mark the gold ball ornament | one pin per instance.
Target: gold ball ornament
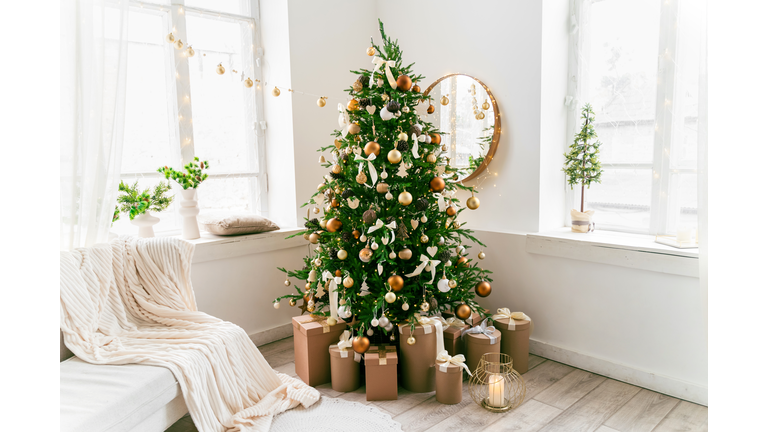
(436, 138)
(356, 234)
(220, 69)
(462, 262)
(170, 38)
(411, 340)
(424, 238)
(371, 51)
(402, 136)
(480, 115)
(310, 308)
(473, 202)
(430, 109)
(353, 105)
(444, 101)
(483, 289)
(248, 83)
(431, 158)
(486, 105)
(382, 187)
(314, 238)
(179, 44)
(404, 82)
(292, 302)
(360, 344)
(405, 254)
(307, 286)
(189, 52)
(390, 297)
(396, 282)
(452, 283)
(321, 102)
(405, 198)
(275, 92)
(333, 225)
(481, 255)
(287, 283)
(394, 156)
(424, 306)
(462, 311)
(372, 147)
(365, 254)
(331, 321)
(405, 306)
(437, 184)
(451, 211)
(342, 254)
(336, 169)
(354, 128)
(361, 177)
(416, 89)
(306, 236)
(348, 282)
(357, 86)
(456, 225)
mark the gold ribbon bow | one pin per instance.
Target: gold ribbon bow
(371, 169)
(457, 360)
(512, 316)
(378, 62)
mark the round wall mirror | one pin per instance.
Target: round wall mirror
(467, 114)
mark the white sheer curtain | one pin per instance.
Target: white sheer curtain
(703, 173)
(93, 77)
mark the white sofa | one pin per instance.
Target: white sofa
(116, 398)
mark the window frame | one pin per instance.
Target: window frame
(181, 118)
(665, 127)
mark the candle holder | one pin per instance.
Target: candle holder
(494, 385)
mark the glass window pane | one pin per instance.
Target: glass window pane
(234, 194)
(223, 109)
(237, 7)
(683, 203)
(622, 201)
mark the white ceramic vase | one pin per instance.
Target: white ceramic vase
(189, 211)
(145, 221)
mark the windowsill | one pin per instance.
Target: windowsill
(622, 249)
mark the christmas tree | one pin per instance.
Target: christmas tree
(582, 165)
(390, 243)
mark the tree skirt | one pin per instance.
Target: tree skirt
(335, 415)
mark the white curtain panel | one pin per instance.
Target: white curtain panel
(703, 173)
(93, 77)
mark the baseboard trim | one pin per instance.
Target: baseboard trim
(620, 372)
(270, 335)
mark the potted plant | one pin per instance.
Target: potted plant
(582, 167)
(189, 181)
(138, 205)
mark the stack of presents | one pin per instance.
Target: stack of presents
(434, 355)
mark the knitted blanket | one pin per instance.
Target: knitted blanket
(132, 302)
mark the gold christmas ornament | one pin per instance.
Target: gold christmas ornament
(430, 109)
(220, 69)
(424, 306)
(361, 177)
(336, 169)
(462, 311)
(360, 344)
(480, 115)
(382, 187)
(371, 51)
(372, 147)
(402, 136)
(353, 105)
(307, 286)
(287, 283)
(483, 289)
(179, 44)
(396, 282)
(314, 238)
(342, 254)
(437, 184)
(452, 283)
(275, 92)
(405, 198)
(354, 128)
(444, 101)
(365, 254)
(321, 102)
(189, 52)
(394, 156)
(405, 254)
(357, 86)
(306, 236)
(405, 306)
(481, 255)
(431, 158)
(473, 202)
(315, 210)
(392, 337)
(390, 297)
(486, 105)
(248, 83)
(462, 262)
(451, 211)
(310, 308)
(333, 225)
(411, 340)
(416, 89)
(331, 321)
(404, 82)
(424, 238)
(456, 225)
(356, 234)
(348, 282)
(436, 138)
(292, 302)
(170, 38)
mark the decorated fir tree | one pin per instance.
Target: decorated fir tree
(582, 166)
(390, 241)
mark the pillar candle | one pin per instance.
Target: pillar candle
(496, 390)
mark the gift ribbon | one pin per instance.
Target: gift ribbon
(483, 328)
(457, 360)
(415, 148)
(440, 201)
(379, 224)
(343, 120)
(371, 157)
(318, 319)
(333, 295)
(511, 316)
(450, 322)
(382, 352)
(345, 342)
(378, 62)
(424, 261)
(426, 322)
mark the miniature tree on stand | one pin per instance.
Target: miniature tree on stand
(390, 244)
(583, 167)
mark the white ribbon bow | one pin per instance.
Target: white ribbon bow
(371, 169)
(458, 360)
(454, 322)
(415, 148)
(424, 261)
(440, 201)
(333, 295)
(483, 328)
(378, 62)
(345, 341)
(511, 316)
(426, 322)
(343, 120)
(379, 224)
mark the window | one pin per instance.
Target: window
(179, 107)
(637, 63)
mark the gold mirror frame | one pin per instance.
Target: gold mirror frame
(496, 126)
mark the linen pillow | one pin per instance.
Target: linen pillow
(235, 223)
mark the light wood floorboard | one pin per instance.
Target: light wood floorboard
(558, 398)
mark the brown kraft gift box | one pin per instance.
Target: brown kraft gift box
(381, 373)
(473, 320)
(514, 341)
(452, 339)
(448, 382)
(311, 337)
(345, 369)
(417, 361)
(477, 344)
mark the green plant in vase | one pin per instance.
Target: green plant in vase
(582, 167)
(189, 180)
(139, 203)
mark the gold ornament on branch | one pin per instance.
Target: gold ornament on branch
(405, 254)
(248, 83)
(481, 255)
(444, 101)
(170, 38)
(321, 102)
(405, 198)
(220, 69)
(189, 52)
(396, 282)
(275, 92)
(372, 147)
(360, 344)
(390, 297)
(357, 86)
(352, 105)
(179, 44)
(292, 302)
(430, 109)
(394, 156)
(354, 128)
(486, 105)
(462, 311)
(431, 158)
(483, 289)
(404, 83)
(473, 202)
(371, 51)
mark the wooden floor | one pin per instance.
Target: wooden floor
(558, 398)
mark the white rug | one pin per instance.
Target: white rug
(335, 415)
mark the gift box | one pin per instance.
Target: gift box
(345, 369)
(477, 344)
(473, 320)
(381, 373)
(452, 337)
(514, 341)
(311, 337)
(448, 382)
(417, 361)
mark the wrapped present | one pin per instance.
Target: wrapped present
(479, 340)
(452, 328)
(449, 378)
(381, 373)
(311, 337)
(345, 365)
(417, 360)
(473, 320)
(515, 330)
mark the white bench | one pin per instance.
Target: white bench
(116, 398)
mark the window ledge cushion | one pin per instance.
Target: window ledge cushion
(615, 248)
(210, 247)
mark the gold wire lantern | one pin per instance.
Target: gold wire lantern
(494, 385)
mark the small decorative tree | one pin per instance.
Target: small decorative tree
(191, 178)
(582, 165)
(135, 202)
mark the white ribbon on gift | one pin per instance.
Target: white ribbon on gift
(457, 360)
(450, 322)
(440, 201)
(415, 148)
(424, 261)
(333, 295)
(345, 342)
(371, 169)
(427, 323)
(377, 63)
(511, 316)
(483, 328)
(379, 224)
(343, 120)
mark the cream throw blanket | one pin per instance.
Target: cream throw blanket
(132, 302)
